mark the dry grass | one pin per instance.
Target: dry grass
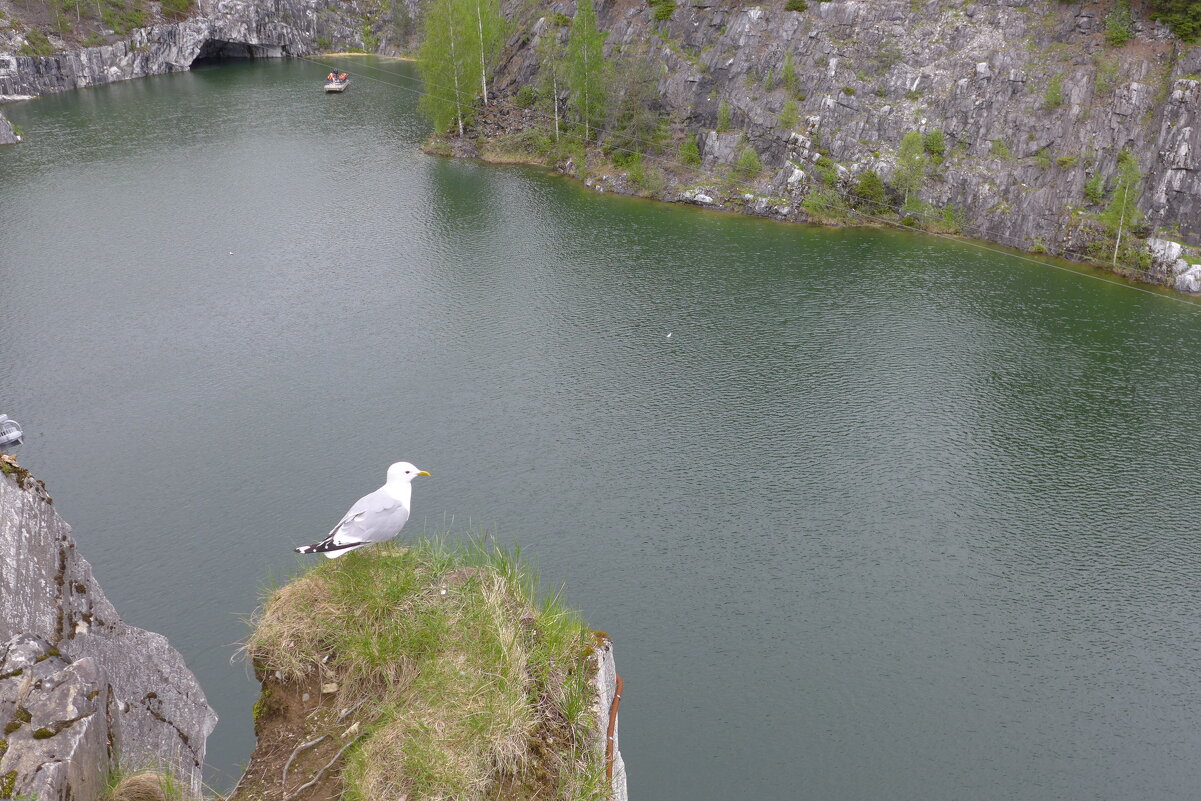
(478, 689)
(284, 629)
(145, 786)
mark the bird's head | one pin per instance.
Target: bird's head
(404, 471)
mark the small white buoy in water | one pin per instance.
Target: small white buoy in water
(669, 335)
(231, 253)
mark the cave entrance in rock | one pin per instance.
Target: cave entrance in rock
(216, 50)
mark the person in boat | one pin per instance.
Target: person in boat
(329, 77)
(341, 76)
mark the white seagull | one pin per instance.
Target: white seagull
(373, 518)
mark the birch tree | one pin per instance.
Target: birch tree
(460, 42)
(586, 68)
(490, 26)
(445, 56)
(551, 71)
(1123, 212)
(911, 165)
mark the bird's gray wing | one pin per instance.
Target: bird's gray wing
(373, 518)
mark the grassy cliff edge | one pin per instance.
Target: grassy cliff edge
(423, 672)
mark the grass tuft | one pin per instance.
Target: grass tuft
(142, 786)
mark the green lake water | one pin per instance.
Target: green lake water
(886, 517)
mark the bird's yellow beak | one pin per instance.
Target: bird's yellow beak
(422, 473)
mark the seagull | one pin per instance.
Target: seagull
(373, 518)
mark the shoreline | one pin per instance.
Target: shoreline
(351, 53)
(607, 177)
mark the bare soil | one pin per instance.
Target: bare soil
(290, 715)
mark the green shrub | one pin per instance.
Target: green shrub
(935, 144)
(370, 40)
(1067, 162)
(828, 170)
(824, 204)
(748, 164)
(527, 142)
(36, 44)
(916, 206)
(796, 5)
(632, 162)
(952, 219)
(870, 190)
(662, 9)
(788, 114)
(1053, 97)
(560, 19)
(723, 116)
(123, 18)
(1182, 16)
(848, 90)
(651, 181)
(690, 154)
(1094, 189)
(323, 44)
(1118, 24)
(1043, 158)
(525, 97)
(788, 74)
(999, 149)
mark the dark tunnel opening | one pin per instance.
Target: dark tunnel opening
(217, 50)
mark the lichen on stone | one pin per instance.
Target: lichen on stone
(7, 783)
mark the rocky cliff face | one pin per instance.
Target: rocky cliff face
(1031, 102)
(79, 688)
(7, 135)
(218, 29)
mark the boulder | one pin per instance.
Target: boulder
(1189, 280)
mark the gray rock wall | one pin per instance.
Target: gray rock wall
(68, 657)
(7, 135)
(247, 28)
(606, 688)
(1031, 100)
